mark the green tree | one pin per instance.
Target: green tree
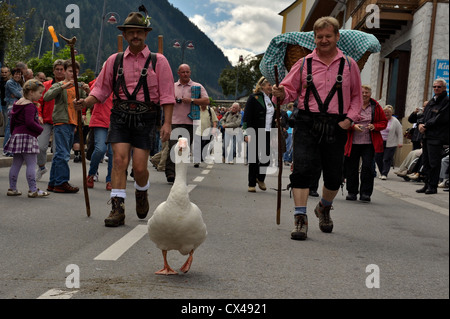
(7, 25)
(45, 63)
(248, 72)
(12, 35)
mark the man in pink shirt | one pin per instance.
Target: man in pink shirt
(182, 118)
(135, 116)
(328, 87)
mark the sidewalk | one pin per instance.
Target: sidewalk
(406, 191)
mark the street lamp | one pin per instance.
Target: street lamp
(241, 60)
(111, 18)
(186, 44)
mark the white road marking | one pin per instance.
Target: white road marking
(206, 172)
(199, 179)
(58, 294)
(191, 187)
(122, 245)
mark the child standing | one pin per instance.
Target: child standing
(25, 129)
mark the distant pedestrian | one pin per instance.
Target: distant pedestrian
(206, 131)
(65, 119)
(416, 136)
(364, 141)
(434, 127)
(40, 76)
(188, 94)
(392, 139)
(25, 129)
(13, 92)
(99, 125)
(5, 76)
(46, 118)
(259, 119)
(230, 124)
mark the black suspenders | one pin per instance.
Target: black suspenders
(120, 81)
(337, 88)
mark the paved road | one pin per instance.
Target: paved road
(401, 237)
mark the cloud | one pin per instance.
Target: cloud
(245, 27)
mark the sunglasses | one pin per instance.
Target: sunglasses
(436, 87)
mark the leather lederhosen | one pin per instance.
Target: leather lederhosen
(132, 112)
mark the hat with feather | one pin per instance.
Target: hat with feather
(137, 20)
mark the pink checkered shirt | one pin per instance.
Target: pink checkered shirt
(160, 84)
(324, 79)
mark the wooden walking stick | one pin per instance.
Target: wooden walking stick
(71, 43)
(280, 154)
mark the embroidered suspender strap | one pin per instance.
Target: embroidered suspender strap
(311, 88)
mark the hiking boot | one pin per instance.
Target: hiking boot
(301, 227)
(351, 197)
(325, 221)
(142, 205)
(117, 216)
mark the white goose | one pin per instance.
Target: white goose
(177, 224)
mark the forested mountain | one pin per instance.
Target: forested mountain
(207, 61)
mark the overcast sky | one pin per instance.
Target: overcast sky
(238, 27)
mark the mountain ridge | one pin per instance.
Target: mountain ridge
(207, 61)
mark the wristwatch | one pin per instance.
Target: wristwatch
(192, 100)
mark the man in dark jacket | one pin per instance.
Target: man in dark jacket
(434, 126)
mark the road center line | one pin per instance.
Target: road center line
(191, 187)
(199, 179)
(122, 245)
